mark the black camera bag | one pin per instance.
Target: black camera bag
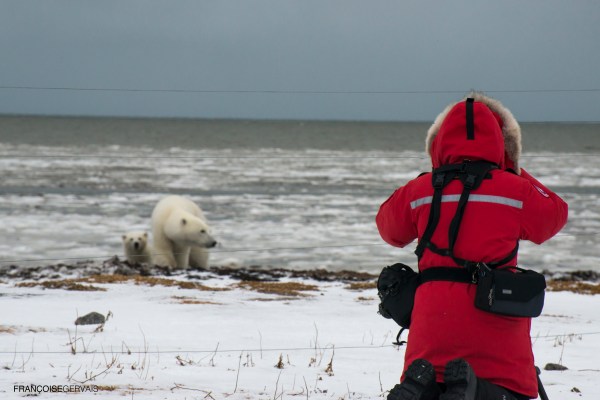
(396, 286)
(514, 293)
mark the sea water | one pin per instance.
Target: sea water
(284, 194)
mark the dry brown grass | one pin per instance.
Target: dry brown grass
(191, 300)
(365, 299)
(288, 289)
(361, 286)
(82, 284)
(280, 298)
(558, 316)
(106, 388)
(116, 278)
(11, 329)
(7, 329)
(151, 281)
(66, 284)
(573, 286)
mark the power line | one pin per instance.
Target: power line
(278, 349)
(241, 250)
(209, 351)
(283, 91)
(200, 157)
(304, 247)
(209, 157)
(576, 234)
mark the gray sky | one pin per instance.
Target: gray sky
(299, 46)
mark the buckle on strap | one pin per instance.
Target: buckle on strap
(438, 180)
(477, 269)
(469, 181)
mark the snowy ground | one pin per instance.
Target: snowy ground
(164, 342)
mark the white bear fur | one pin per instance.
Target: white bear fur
(136, 247)
(180, 233)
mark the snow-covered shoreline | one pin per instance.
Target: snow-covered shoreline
(223, 338)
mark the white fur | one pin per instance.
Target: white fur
(181, 234)
(511, 129)
(136, 247)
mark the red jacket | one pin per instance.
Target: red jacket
(445, 324)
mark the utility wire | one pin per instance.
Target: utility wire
(283, 91)
(112, 156)
(240, 250)
(279, 349)
(208, 351)
(333, 157)
(6, 261)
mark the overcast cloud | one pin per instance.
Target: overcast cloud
(307, 45)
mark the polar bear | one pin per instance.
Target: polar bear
(136, 247)
(180, 233)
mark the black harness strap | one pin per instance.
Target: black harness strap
(441, 177)
(434, 215)
(470, 122)
(451, 274)
(460, 211)
(471, 175)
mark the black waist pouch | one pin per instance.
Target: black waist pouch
(396, 286)
(517, 293)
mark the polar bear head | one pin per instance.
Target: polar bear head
(187, 229)
(135, 242)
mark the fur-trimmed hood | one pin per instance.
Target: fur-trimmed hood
(452, 119)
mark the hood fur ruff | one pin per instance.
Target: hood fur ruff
(510, 127)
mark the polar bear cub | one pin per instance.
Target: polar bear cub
(180, 233)
(136, 247)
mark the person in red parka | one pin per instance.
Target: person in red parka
(472, 354)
